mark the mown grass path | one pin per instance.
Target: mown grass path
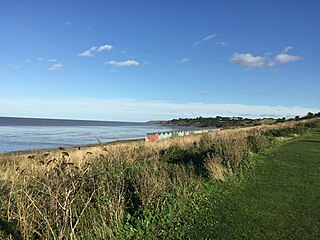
(280, 200)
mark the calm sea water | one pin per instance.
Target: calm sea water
(28, 134)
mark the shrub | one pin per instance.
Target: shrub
(258, 142)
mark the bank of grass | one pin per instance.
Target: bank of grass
(279, 200)
(129, 190)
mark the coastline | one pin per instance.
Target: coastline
(88, 146)
(56, 149)
(33, 134)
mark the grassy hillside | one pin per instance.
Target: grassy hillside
(128, 190)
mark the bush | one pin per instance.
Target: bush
(258, 142)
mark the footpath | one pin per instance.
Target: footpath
(280, 200)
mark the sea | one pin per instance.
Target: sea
(19, 134)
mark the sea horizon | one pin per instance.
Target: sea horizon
(27, 121)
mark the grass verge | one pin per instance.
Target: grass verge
(280, 200)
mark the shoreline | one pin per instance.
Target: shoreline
(86, 146)
(91, 145)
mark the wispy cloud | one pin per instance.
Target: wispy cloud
(205, 39)
(52, 60)
(182, 61)
(221, 43)
(89, 52)
(47, 60)
(116, 109)
(286, 49)
(127, 63)
(209, 37)
(13, 66)
(28, 61)
(55, 67)
(249, 61)
(207, 94)
(67, 24)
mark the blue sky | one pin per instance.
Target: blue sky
(142, 60)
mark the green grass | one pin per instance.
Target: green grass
(280, 200)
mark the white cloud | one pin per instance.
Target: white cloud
(55, 67)
(13, 66)
(205, 39)
(285, 58)
(126, 63)
(104, 48)
(286, 49)
(209, 37)
(248, 61)
(47, 60)
(89, 53)
(52, 60)
(221, 43)
(182, 61)
(67, 24)
(116, 109)
(28, 61)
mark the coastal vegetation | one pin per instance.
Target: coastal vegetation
(230, 122)
(135, 190)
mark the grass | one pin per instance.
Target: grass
(279, 201)
(154, 190)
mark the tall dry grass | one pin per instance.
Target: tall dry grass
(87, 193)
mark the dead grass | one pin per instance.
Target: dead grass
(215, 168)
